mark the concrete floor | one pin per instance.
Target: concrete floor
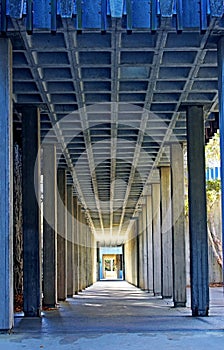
(115, 315)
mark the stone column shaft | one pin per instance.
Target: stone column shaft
(178, 226)
(197, 212)
(70, 240)
(156, 230)
(166, 233)
(32, 272)
(62, 235)
(75, 270)
(49, 226)
(145, 248)
(6, 187)
(150, 244)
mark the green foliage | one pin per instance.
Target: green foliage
(213, 191)
(212, 151)
(213, 186)
(212, 156)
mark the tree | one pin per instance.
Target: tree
(213, 192)
(212, 151)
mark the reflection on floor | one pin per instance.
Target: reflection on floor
(114, 314)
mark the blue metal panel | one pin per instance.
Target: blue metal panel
(79, 14)
(216, 7)
(42, 14)
(3, 20)
(91, 17)
(116, 8)
(141, 14)
(166, 7)
(29, 16)
(53, 16)
(191, 14)
(66, 8)
(94, 14)
(108, 8)
(16, 8)
(179, 14)
(154, 14)
(103, 15)
(203, 15)
(128, 11)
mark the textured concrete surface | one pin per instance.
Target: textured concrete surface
(115, 315)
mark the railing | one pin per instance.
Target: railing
(213, 173)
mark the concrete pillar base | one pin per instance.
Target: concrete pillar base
(200, 313)
(179, 304)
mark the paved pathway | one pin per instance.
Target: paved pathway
(115, 315)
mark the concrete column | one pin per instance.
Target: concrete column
(89, 255)
(70, 240)
(156, 232)
(75, 269)
(6, 187)
(197, 212)
(145, 248)
(98, 261)
(62, 235)
(140, 251)
(136, 252)
(93, 259)
(49, 226)
(221, 126)
(31, 212)
(178, 226)
(80, 246)
(166, 232)
(83, 252)
(92, 262)
(149, 244)
(83, 256)
(123, 260)
(86, 254)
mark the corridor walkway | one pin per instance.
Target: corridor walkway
(115, 315)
